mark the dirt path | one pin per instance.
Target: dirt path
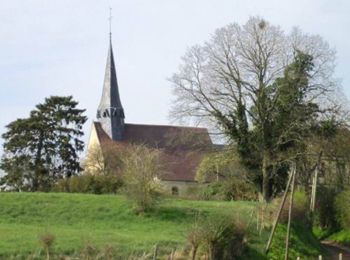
(334, 250)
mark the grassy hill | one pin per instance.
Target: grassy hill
(78, 220)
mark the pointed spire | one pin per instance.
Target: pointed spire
(110, 112)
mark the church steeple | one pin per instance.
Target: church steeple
(110, 112)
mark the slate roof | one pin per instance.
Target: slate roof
(182, 148)
(110, 112)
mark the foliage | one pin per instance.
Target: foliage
(44, 147)
(302, 243)
(141, 170)
(227, 177)
(232, 188)
(219, 165)
(87, 183)
(325, 208)
(333, 139)
(342, 208)
(341, 237)
(262, 88)
(217, 235)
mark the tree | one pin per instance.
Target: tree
(333, 140)
(227, 178)
(104, 160)
(142, 169)
(44, 147)
(242, 81)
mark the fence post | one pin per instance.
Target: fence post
(155, 252)
(340, 256)
(290, 212)
(320, 257)
(291, 173)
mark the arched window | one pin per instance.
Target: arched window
(175, 191)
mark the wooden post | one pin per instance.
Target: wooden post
(155, 252)
(291, 173)
(340, 256)
(172, 254)
(320, 257)
(314, 189)
(290, 214)
(257, 219)
(314, 184)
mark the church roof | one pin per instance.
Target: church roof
(182, 148)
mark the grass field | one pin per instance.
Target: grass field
(100, 220)
(341, 237)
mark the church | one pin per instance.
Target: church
(181, 148)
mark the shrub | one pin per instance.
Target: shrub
(342, 208)
(87, 183)
(230, 189)
(47, 240)
(325, 208)
(228, 178)
(141, 169)
(219, 236)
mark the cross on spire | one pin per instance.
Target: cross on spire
(110, 22)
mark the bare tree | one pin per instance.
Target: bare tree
(228, 81)
(142, 169)
(103, 160)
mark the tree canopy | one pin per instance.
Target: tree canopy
(262, 88)
(45, 146)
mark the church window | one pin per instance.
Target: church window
(175, 191)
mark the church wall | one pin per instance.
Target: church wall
(93, 140)
(182, 187)
(93, 158)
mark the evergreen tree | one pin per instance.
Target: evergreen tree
(44, 147)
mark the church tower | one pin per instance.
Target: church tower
(110, 112)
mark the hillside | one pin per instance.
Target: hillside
(78, 220)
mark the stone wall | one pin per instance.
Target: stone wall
(180, 188)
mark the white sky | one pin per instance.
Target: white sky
(59, 47)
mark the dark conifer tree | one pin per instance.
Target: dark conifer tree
(44, 147)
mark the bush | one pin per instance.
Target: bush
(325, 208)
(228, 178)
(231, 189)
(141, 167)
(218, 236)
(342, 209)
(47, 240)
(96, 184)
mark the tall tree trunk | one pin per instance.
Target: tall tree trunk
(266, 177)
(37, 163)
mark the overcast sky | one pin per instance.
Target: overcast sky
(59, 47)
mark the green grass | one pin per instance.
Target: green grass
(80, 219)
(77, 219)
(302, 243)
(341, 237)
